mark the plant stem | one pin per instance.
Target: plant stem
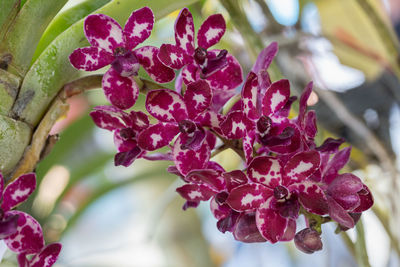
(361, 249)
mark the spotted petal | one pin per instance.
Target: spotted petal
(265, 170)
(248, 142)
(140, 121)
(265, 58)
(276, 97)
(235, 125)
(197, 97)
(110, 118)
(227, 78)
(302, 165)
(147, 56)
(195, 192)
(18, 191)
(29, 236)
(191, 73)
(166, 105)
(157, 136)
(248, 197)
(47, 257)
(138, 27)
(211, 31)
(184, 31)
(249, 96)
(209, 177)
(311, 197)
(173, 56)
(122, 92)
(271, 225)
(104, 32)
(90, 58)
(188, 159)
(234, 178)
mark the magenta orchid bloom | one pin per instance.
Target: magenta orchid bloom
(277, 191)
(112, 45)
(46, 257)
(220, 69)
(20, 231)
(126, 128)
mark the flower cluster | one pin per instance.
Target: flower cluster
(20, 231)
(286, 174)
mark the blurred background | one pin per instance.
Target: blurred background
(115, 216)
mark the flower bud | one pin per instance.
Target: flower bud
(308, 240)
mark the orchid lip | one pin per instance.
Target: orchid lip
(264, 125)
(125, 62)
(200, 55)
(127, 133)
(280, 192)
(212, 65)
(187, 126)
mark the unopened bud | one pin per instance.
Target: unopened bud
(308, 241)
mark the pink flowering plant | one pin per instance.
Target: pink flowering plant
(285, 174)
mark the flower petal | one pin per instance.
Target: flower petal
(124, 139)
(173, 56)
(138, 27)
(219, 211)
(195, 192)
(366, 200)
(147, 56)
(166, 105)
(140, 121)
(265, 170)
(234, 178)
(126, 158)
(290, 231)
(330, 145)
(29, 236)
(110, 118)
(90, 58)
(122, 92)
(209, 177)
(211, 31)
(340, 215)
(249, 96)
(1, 184)
(337, 162)
(210, 119)
(276, 97)
(18, 191)
(248, 142)
(104, 32)
(246, 229)
(265, 58)
(235, 125)
(248, 197)
(190, 73)
(271, 225)
(8, 226)
(47, 257)
(157, 136)
(228, 78)
(311, 197)
(197, 97)
(188, 159)
(302, 165)
(184, 31)
(303, 103)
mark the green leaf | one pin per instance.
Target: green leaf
(9, 9)
(14, 137)
(24, 34)
(64, 20)
(52, 69)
